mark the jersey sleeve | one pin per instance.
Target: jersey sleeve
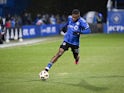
(84, 26)
(64, 27)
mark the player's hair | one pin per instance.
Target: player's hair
(75, 11)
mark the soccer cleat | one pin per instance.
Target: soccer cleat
(76, 62)
(46, 69)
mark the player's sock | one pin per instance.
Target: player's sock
(47, 68)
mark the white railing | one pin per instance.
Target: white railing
(13, 34)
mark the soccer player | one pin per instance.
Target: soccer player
(73, 28)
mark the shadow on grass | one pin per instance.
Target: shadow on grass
(86, 85)
(110, 76)
(89, 86)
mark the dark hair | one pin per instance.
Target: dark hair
(75, 11)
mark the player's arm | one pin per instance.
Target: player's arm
(88, 30)
(64, 27)
(84, 27)
(82, 31)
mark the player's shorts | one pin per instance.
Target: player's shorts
(66, 46)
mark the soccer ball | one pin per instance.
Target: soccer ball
(44, 75)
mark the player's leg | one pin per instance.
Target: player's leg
(76, 56)
(75, 50)
(54, 59)
(59, 53)
(62, 49)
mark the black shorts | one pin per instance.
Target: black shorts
(66, 46)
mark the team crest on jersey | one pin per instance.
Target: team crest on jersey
(77, 23)
(75, 27)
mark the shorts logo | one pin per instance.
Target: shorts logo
(64, 43)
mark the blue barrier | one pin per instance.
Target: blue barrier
(33, 31)
(30, 31)
(115, 21)
(48, 30)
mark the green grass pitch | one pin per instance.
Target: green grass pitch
(101, 67)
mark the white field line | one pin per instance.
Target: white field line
(25, 42)
(32, 41)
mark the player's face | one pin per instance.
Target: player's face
(75, 17)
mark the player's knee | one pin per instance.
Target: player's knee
(59, 54)
(76, 55)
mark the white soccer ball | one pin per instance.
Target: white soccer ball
(44, 75)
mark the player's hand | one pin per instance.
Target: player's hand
(76, 33)
(62, 33)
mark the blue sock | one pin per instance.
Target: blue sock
(49, 66)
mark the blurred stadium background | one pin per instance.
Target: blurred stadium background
(21, 19)
(23, 22)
